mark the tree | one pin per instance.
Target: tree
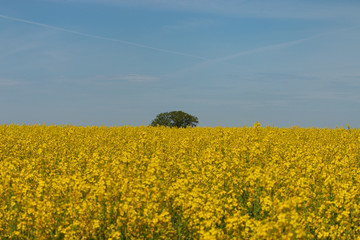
(175, 119)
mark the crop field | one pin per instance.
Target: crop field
(69, 182)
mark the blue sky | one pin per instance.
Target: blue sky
(230, 63)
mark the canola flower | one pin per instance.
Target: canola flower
(68, 182)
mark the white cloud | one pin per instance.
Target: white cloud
(8, 82)
(135, 78)
(255, 8)
(12, 43)
(216, 61)
(329, 95)
(112, 79)
(192, 24)
(273, 47)
(21, 20)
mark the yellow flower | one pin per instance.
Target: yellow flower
(165, 183)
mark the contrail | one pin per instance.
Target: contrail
(282, 45)
(210, 62)
(100, 37)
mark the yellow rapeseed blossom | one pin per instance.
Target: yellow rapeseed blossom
(68, 182)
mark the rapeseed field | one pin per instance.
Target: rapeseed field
(68, 182)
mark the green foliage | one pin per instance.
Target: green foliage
(175, 119)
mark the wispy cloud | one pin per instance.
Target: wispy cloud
(8, 82)
(12, 44)
(21, 20)
(278, 46)
(329, 95)
(212, 62)
(135, 78)
(192, 24)
(114, 79)
(297, 9)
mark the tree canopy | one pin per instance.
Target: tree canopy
(175, 119)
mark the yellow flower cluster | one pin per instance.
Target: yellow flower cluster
(68, 182)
